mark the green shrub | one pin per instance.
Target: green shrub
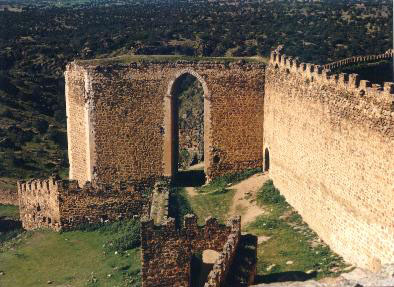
(269, 194)
(184, 158)
(58, 137)
(41, 125)
(126, 235)
(179, 206)
(220, 183)
(266, 222)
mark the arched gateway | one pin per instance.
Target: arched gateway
(120, 116)
(170, 111)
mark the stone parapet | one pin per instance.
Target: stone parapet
(343, 82)
(63, 204)
(359, 59)
(167, 251)
(218, 274)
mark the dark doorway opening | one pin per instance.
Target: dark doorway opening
(266, 159)
(200, 266)
(188, 128)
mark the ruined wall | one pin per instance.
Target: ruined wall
(220, 269)
(331, 142)
(93, 204)
(166, 251)
(76, 97)
(8, 196)
(130, 106)
(39, 204)
(62, 205)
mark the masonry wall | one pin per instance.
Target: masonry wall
(331, 142)
(166, 251)
(76, 98)
(92, 204)
(129, 116)
(221, 268)
(360, 59)
(8, 196)
(62, 205)
(39, 204)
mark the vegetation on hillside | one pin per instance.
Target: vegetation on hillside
(38, 41)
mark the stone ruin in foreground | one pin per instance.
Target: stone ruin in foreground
(326, 139)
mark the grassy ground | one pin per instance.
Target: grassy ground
(215, 204)
(77, 258)
(293, 251)
(213, 199)
(10, 211)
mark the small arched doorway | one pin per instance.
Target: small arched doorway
(266, 159)
(186, 124)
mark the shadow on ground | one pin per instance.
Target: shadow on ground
(7, 224)
(284, 277)
(192, 178)
(244, 264)
(9, 228)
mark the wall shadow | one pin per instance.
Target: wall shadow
(243, 266)
(193, 178)
(7, 224)
(284, 277)
(199, 271)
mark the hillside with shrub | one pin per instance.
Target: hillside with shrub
(39, 38)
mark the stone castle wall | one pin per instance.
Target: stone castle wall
(166, 251)
(77, 115)
(130, 107)
(62, 205)
(331, 142)
(9, 197)
(39, 204)
(217, 276)
(359, 59)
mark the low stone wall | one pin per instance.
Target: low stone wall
(97, 204)
(359, 59)
(62, 204)
(221, 267)
(160, 201)
(8, 196)
(166, 252)
(39, 204)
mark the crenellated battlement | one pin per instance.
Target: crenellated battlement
(344, 81)
(168, 248)
(50, 184)
(190, 224)
(360, 59)
(222, 265)
(63, 204)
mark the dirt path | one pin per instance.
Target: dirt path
(191, 191)
(244, 201)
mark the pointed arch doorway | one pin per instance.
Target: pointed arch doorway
(177, 131)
